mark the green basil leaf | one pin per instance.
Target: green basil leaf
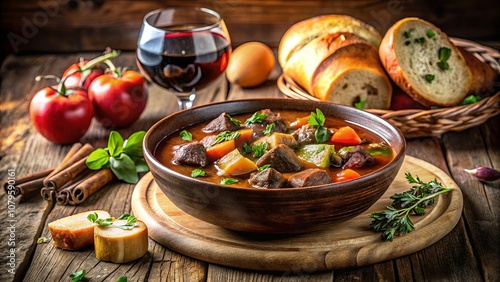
(430, 33)
(316, 119)
(98, 159)
(471, 99)
(429, 77)
(133, 145)
(78, 276)
(141, 165)
(124, 216)
(124, 168)
(93, 217)
(122, 279)
(115, 143)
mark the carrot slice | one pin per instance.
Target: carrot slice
(346, 135)
(218, 151)
(299, 122)
(347, 174)
(246, 136)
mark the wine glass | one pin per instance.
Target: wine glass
(183, 50)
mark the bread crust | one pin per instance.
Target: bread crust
(483, 75)
(400, 75)
(301, 33)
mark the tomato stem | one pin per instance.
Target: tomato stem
(117, 72)
(90, 64)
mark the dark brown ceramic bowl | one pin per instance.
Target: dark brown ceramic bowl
(279, 211)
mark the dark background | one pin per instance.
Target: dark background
(56, 26)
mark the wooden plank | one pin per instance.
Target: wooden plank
(482, 200)
(56, 25)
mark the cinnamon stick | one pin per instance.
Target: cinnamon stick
(91, 185)
(63, 196)
(64, 162)
(26, 183)
(76, 151)
(59, 179)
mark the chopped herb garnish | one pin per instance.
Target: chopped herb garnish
(361, 104)
(429, 77)
(269, 129)
(396, 219)
(78, 276)
(407, 42)
(122, 279)
(228, 181)
(263, 167)
(198, 172)
(471, 99)
(246, 149)
(234, 121)
(444, 55)
(317, 120)
(420, 40)
(430, 33)
(186, 135)
(108, 222)
(225, 136)
(259, 149)
(257, 117)
(407, 34)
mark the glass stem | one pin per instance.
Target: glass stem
(186, 102)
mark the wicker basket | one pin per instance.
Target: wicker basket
(422, 123)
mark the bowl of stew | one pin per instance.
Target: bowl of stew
(274, 166)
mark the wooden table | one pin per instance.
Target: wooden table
(470, 252)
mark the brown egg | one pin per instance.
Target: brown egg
(250, 64)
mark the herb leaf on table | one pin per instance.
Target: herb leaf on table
(125, 158)
(396, 219)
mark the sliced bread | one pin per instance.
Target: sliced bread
(342, 68)
(483, 75)
(301, 33)
(421, 60)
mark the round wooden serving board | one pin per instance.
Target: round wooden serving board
(347, 244)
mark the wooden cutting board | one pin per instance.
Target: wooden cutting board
(346, 244)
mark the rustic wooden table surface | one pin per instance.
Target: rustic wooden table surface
(470, 252)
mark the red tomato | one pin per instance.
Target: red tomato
(73, 75)
(118, 100)
(61, 118)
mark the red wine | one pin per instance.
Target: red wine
(184, 61)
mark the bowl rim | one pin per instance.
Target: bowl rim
(149, 152)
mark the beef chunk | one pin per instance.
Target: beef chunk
(281, 158)
(357, 158)
(193, 154)
(267, 178)
(258, 128)
(305, 134)
(309, 177)
(208, 140)
(221, 123)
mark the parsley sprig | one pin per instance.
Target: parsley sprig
(225, 136)
(124, 158)
(317, 120)
(131, 221)
(257, 117)
(396, 219)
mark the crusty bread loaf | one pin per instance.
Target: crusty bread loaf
(410, 51)
(74, 232)
(342, 68)
(301, 33)
(483, 75)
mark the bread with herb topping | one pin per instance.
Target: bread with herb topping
(421, 59)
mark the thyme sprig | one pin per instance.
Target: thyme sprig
(396, 219)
